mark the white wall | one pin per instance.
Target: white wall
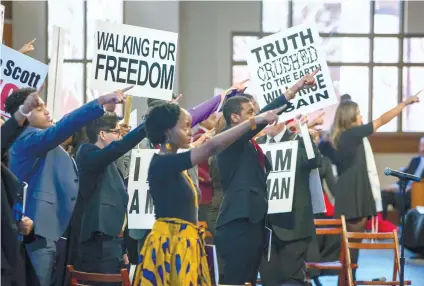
(205, 43)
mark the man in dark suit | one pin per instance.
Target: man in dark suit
(103, 196)
(16, 269)
(391, 195)
(37, 158)
(244, 168)
(293, 231)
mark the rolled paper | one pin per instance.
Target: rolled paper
(128, 104)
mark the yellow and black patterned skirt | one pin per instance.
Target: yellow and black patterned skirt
(173, 254)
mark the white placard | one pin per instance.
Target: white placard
(218, 91)
(278, 61)
(2, 11)
(25, 188)
(55, 98)
(315, 186)
(141, 213)
(133, 119)
(127, 55)
(304, 130)
(19, 71)
(281, 179)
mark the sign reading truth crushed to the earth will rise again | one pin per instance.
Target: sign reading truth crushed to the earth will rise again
(278, 61)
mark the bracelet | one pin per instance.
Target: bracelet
(22, 113)
(252, 122)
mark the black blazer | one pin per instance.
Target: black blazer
(16, 268)
(299, 223)
(102, 201)
(242, 179)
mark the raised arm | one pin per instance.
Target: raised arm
(392, 113)
(226, 138)
(101, 158)
(305, 82)
(202, 111)
(39, 142)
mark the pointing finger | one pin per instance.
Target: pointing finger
(127, 88)
(316, 71)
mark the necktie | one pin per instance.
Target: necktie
(261, 155)
(271, 140)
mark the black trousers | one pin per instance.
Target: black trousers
(395, 199)
(240, 245)
(287, 263)
(102, 254)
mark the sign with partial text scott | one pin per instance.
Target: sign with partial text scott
(280, 60)
(128, 55)
(19, 71)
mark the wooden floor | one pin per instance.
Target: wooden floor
(379, 263)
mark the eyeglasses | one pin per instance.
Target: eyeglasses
(114, 131)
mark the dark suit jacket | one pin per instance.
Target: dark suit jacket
(16, 268)
(243, 180)
(299, 222)
(412, 167)
(37, 158)
(103, 198)
(326, 174)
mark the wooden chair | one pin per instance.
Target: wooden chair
(96, 277)
(332, 227)
(372, 245)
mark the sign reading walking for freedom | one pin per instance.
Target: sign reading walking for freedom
(280, 182)
(278, 61)
(128, 55)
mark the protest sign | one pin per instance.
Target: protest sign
(55, 95)
(2, 11)
(19, 71)
(278, 61)
(280, 181)
(315, 186)
(129, 55)
(212, 258)
(141, 213)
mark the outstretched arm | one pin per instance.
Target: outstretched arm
(305, 82)
(221, 141)
(101, 158)
(39, 142)
(394, 112)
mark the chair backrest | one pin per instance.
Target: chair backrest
(371, 243)
(333, 226)
(77, 276)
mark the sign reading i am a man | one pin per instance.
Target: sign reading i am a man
(281, 179)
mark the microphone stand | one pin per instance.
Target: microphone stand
(402, 184)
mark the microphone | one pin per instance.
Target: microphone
(401, 175)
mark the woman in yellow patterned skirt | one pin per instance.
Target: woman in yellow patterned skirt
(174, 252)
